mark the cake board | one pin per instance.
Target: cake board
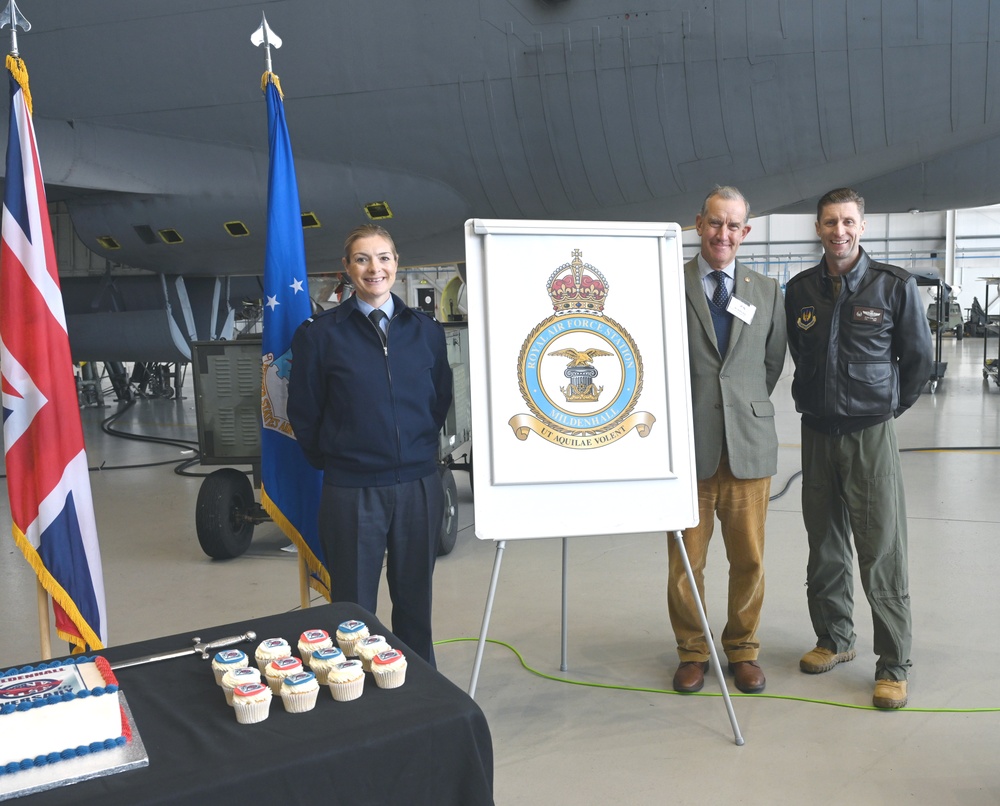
(93, 765)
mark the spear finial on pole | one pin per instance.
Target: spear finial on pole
(13, 17)
(263, 36)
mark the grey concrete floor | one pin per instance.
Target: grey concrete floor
(609, 729)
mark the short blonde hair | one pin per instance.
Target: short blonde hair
(367, 231)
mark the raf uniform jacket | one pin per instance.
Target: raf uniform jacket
(731, 395)
(369, 416)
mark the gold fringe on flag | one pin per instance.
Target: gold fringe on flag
(20, 72)
(87, 640)
(264, 79)
(319, 577)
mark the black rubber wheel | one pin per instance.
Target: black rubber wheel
(225, 502)
(449, 519)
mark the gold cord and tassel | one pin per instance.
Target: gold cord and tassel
(17, 68)
(264, 79)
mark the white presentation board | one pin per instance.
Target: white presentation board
(581, 402)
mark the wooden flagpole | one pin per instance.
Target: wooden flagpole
(44, 635)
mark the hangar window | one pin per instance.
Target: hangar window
(309, 221)
(108, 242)
(378, 210)
(170, 236)
(237, 229)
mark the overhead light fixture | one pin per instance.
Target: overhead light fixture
(237, 229)
(145, 233)
(108, 242)
(310, 221)
(170, 236)
(378, 211)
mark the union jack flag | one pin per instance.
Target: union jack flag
(47, 477)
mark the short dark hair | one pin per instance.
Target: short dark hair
(367, 231)
(840, 196)
(729, 193)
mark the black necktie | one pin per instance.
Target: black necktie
(377, 316)
(721, 295)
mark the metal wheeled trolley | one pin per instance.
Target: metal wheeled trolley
(991, 366)
(936, 315)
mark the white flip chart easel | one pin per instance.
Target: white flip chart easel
(580, 388)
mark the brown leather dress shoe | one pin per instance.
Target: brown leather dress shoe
(690, 676)
(748, 675)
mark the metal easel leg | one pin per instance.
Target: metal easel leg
(564, 664)
(679, 537)
(486, 618)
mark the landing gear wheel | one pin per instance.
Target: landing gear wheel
(223, 515)
(449, 520)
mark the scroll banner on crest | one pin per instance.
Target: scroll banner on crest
(48, 478)
(290, 486)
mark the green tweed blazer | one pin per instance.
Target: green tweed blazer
(731, 396)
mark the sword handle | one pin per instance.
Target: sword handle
(207, 649)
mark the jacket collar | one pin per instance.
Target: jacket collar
(350, 305)
(853, 277)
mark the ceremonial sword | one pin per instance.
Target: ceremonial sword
(198, 647)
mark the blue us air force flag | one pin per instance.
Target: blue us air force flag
(290, 486)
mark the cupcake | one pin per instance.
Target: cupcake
(245, 674)
(311, 640)
(349, 633)
(323, 660)
(269, 650)
(368, 648)
(226, 660)
(252, 702)
(278, 670)
(299, 692)
(346, 680)
(389, 668)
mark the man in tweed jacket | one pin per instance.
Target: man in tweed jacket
(736, 340)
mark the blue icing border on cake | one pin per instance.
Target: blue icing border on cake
(68, 753)
(64, 755)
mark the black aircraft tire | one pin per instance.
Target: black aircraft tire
(449, 519)
(225, 498)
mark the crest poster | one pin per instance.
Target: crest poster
(579, 372)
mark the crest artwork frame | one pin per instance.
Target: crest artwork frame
(581, 401)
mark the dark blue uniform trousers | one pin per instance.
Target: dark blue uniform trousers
(357, 525)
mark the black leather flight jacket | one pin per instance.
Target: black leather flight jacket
(861, 357)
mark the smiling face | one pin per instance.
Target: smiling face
(722, 229)
(371, 265)
(839, 229)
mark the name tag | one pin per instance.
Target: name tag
(741, 310)
(862, 314)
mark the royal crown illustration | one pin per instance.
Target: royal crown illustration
(577, 287)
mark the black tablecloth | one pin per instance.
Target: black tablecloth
(426, 742)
